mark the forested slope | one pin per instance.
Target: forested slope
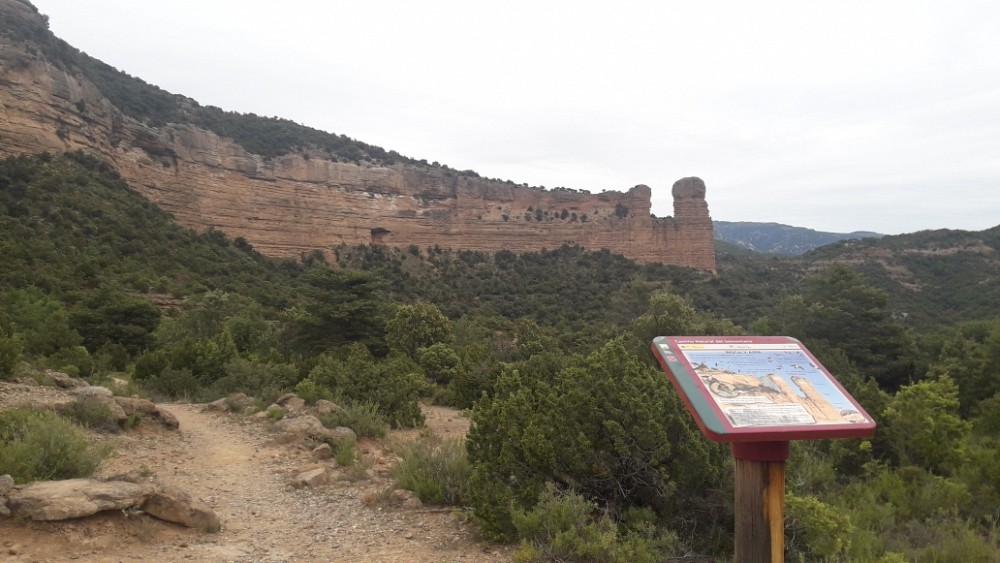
(572, 422)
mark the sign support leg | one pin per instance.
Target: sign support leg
(760, 501)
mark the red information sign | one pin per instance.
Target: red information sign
(759, 389)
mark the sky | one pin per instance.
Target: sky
(836, 116)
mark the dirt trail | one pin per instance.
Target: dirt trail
(237, 466)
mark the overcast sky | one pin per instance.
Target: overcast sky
(837, 116)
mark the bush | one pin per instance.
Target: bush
(563, 527)
(10, 355)
(345, 450)
(364, 418)
(91, 413)
(437, 471)
(607, 426)
(824, 530)
(41, 445)
(174, 383)
(394, 384)
(310, 391)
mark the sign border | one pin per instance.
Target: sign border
(709, 416)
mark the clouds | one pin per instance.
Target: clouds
(800, 113)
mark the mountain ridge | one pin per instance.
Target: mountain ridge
(778, 238)
(308, 191)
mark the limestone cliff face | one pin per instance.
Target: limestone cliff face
(293, 204)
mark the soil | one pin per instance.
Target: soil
(242, 469)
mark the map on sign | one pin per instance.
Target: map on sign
(744, 385)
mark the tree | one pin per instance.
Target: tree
(923, 426)
(607, 426)
(41, 321)
(354, 374)
(440, 363)
(111, 316)
(417, 326)
(338, 307)
(840, 308)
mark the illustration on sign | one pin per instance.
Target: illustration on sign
(768, 384)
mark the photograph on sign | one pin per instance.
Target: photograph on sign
(769, 385)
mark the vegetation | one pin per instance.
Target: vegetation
(39, 445)
(579, 448)
(436, 470)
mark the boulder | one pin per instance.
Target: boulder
(74, 498)
(132, 405)
(220, 405)
(323, 406)
(167, 419)
(306, 425)
(6, 484)
(172, 504)
(291, 402)
(322, 451)
(312, 478)
(92, 391)
(65, 381)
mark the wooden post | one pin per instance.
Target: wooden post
(760, 501)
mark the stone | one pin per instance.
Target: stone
(323, 406)
(77, 498)
(167, 419)
(322, 451)
(132, 405)
(341, 433)
(412, 503)
(65, 381)
(74, 498)
(6, 484)
(306, 425)
(219, 405)
(115, 408)
(312, 478)
(291, 402)
(172, 504)
(92, 391)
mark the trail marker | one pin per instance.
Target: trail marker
(757, 393)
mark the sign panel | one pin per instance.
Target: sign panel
(759, 388)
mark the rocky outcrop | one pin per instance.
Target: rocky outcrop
(295, 204)
(77, 498)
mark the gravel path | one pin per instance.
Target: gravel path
(237, 466)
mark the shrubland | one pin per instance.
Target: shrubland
(579, 448)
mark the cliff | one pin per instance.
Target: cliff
(296, 203)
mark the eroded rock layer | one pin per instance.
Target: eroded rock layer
(294, 204)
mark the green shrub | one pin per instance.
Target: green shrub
(364, 418)
(607, 426)
(133, 420)
(393, 384)
(174, 384)
(815, 529)
(310, 391)
(91, 413)
(275, 413)
(345, 450)
(74, 360)
(437, 471)
(565, 527)
(10, 355)
(41, 445)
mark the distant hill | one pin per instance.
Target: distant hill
(776, 238)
